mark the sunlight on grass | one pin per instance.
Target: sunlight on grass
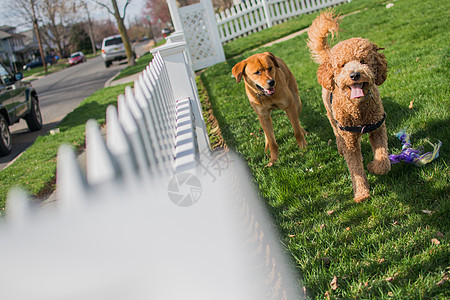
(381, 248)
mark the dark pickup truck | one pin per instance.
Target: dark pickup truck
(18, 99)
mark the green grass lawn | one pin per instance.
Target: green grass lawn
(396, 244)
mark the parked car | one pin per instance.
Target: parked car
(113, 49)
(76, 58)
(18, 99)
(49, 60)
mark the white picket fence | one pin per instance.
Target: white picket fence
(155, 216)
(254, 15)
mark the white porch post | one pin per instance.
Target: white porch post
(176, 19)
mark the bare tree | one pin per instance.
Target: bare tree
(103, 28)
(29, 9)
(121, 26)
(56, 14)
(91, 31)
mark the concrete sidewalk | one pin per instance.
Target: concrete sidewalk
(131, 78)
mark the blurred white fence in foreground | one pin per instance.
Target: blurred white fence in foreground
(157, 215)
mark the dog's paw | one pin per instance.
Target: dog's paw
(269, 164)
(302, 143)
(379, 167)
(361, 197)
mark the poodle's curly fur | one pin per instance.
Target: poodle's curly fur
(349, 73)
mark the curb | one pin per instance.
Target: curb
(108, 82)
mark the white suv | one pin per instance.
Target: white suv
(113, 49)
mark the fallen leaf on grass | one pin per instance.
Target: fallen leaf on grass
(381, 260)
(348, 228)
(444, 280)
(334, 284)
(291, 235)
(327, 294)
(439, 234)
(330, 212)
(411, 104)
(252, 134)
(322, 226)
(427, 211)
(435, 241)
(391, 278)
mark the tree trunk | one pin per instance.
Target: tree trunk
(38, 35)
(124, 35)
(91, 32)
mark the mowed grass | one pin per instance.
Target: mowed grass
(396, 244)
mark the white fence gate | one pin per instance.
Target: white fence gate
(254, 15)
(199, 27)
(156, 216)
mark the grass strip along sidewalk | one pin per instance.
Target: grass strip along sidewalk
(396, 243)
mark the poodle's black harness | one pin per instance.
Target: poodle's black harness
(360, 128)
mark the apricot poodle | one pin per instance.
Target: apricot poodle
(349, 74)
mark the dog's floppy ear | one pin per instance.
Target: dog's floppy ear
(325, 76)
(381, 66)
(273, 58)
(238, 69)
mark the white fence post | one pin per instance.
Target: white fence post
(184, 86)
(267, 13)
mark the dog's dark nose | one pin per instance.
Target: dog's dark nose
(271, 82)
(355, 76)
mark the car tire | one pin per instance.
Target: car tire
(5, 137)
(107, 64)
(34, 118)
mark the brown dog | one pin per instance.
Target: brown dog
(349, 74)
(269, 84)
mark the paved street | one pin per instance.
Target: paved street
(59, 93)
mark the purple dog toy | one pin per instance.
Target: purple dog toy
(414, 155)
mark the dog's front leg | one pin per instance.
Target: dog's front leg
(266, 124)
(353, 157)
(292, 114)
(378, 140)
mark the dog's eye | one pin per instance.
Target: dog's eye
(257, 73)
(343, 65)
(270, 69)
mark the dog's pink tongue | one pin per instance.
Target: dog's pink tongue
(357, 91)
(270, 91)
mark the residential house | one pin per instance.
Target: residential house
(17, 48)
